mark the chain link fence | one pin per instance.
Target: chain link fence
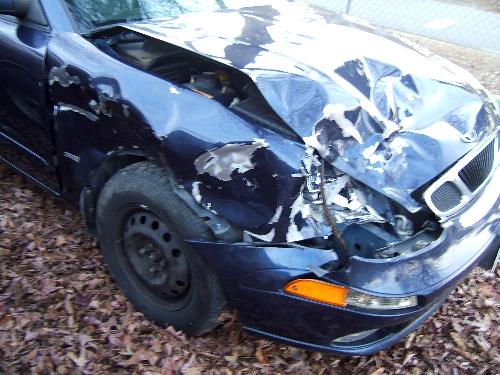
(469, 23)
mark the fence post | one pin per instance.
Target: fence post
(348, 7)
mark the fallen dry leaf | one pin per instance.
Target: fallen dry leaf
(78, 361)
(4, 252)
(193, 371)
(61, 240)
(261, 357)
(458, 340)
(379, 371)
(139, 356)
(60, 313)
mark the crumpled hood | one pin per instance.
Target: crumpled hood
(375, 108)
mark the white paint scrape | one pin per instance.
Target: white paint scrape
(277, 215)
(336, 113)
(298, 207)
(196, 191)
(263, 237)
(222, 162)
(314, 142)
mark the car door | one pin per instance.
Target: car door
(25, 133)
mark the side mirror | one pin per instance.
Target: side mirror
(17, 8)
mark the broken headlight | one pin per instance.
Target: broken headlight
(348, 201)
(368, 222)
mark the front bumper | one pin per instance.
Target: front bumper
(253, 277)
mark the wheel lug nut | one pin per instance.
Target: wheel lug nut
(154, 270)
(142, 251)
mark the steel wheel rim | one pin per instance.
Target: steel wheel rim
(156, 256)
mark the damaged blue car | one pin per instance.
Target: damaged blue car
(331, 182)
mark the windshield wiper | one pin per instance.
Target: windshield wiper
(110, 24)
(117, 21)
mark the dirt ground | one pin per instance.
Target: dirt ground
(484, 66)
(489, 5)
(61, 313)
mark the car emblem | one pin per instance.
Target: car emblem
(469, 137)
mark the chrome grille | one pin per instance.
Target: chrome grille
(446, 197)
(474, 173)
(463, 181)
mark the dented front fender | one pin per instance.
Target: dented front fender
(236, 169)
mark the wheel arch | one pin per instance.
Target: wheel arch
(112, 163)
(119, 159)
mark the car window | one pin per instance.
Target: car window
(91, 14)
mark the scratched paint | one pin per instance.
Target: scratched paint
(62, 77)
(343, 100)
(69, 107)
(377, 114)
(222, 162)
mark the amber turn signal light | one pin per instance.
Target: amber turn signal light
(318, 291)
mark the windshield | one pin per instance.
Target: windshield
(91, 14)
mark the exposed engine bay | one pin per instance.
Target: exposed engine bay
(371, 224)
(225, 85)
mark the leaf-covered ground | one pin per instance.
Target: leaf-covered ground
(61, 313)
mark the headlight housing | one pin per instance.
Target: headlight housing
(336, 295)
(367, 301)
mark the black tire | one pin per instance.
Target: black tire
(145, 187)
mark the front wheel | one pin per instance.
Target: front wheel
(141, 226)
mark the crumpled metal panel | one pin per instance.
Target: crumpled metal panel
(343, 100)
(388, 115)
(104, 105)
